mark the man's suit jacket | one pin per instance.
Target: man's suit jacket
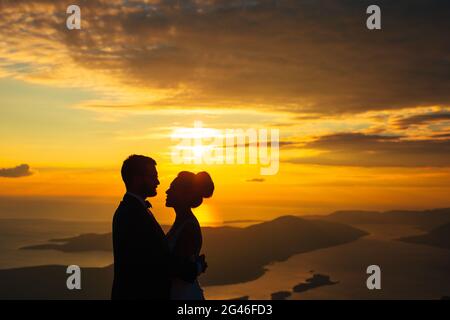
(143, 266)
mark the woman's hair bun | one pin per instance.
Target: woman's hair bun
(204, 184)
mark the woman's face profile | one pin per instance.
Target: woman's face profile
(176, 195)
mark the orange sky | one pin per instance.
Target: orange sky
(361, 125)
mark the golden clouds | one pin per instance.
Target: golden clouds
(287, 55)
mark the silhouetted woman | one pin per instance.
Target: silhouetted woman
(185, 237)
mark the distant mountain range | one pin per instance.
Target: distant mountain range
(426, 219)
(234, 255)
(437, 237)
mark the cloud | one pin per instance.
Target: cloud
(256, 180)
(423, 119)
(358, 149)
(297, 56)
(17, 172)
(442, 135)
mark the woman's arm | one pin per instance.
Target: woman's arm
(184, 265)
(189, 241)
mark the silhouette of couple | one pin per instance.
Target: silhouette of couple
(149, 264)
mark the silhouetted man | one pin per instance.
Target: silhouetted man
(142, 261)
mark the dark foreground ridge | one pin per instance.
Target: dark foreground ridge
(247, 252)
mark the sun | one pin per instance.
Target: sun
(198, 151)
(196, 143)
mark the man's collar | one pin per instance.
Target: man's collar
(145, 203)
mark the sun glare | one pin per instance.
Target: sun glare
(206, 215)
(198, 141)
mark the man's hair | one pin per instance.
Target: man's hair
(133, 166)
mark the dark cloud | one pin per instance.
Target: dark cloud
(311, 56)
(423, 119)
(17, 172)
(256, 180)
(442, 135)
(357, 149)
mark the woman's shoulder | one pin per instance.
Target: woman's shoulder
(194, 221)
(191, 228)
(188, 226)
(191, 224)
(188, 240)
